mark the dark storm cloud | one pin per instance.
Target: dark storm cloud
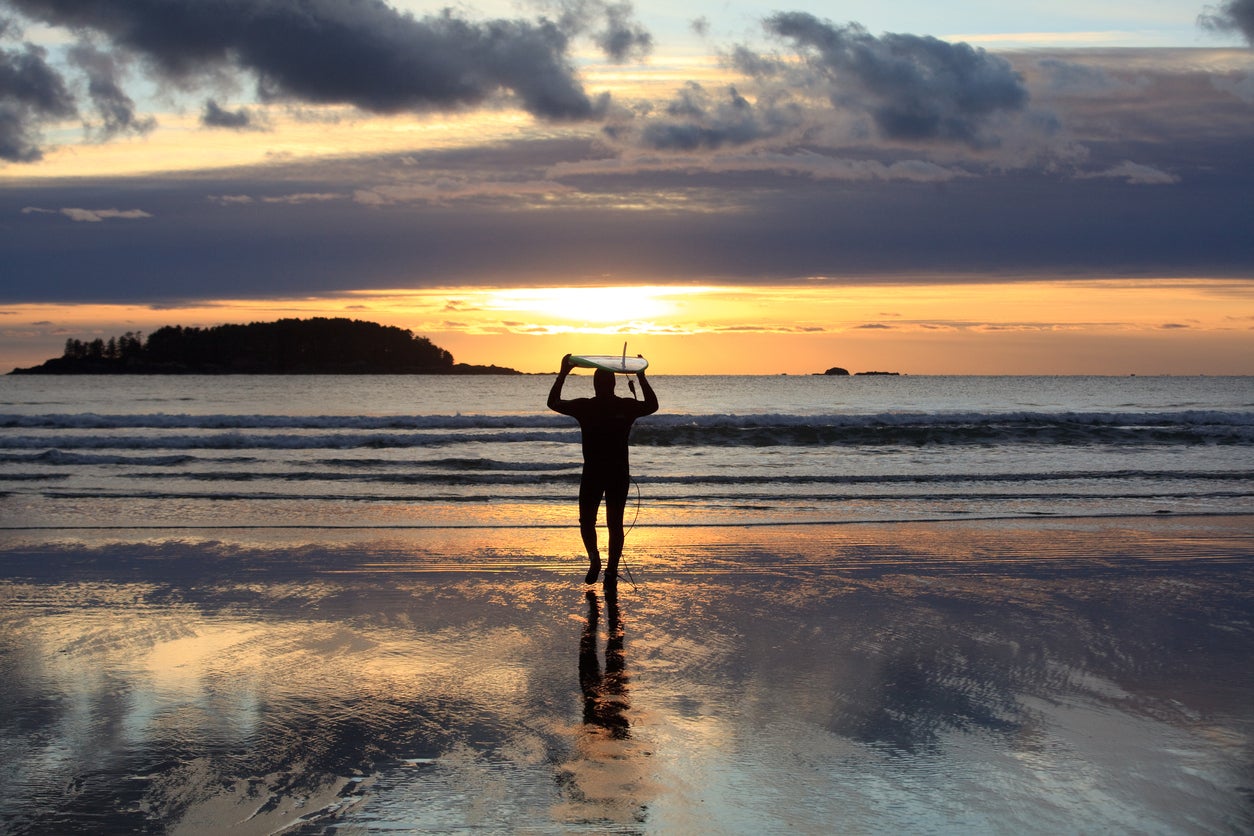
(612, 26)
(31, 94)
(215, 116)
(298, 234)
(357, 52)
(363, 53)
(696, 120)
(622, 39)
(914, 88)
(1161, 189)
(114, 107)
(1230, 16)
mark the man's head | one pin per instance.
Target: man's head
(603, 382)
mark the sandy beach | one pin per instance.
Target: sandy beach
(1042, 677)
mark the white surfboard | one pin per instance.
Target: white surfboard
(610, 362)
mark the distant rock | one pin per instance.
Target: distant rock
(837, 371)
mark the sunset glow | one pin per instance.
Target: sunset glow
(1192, 326)
(577, 308)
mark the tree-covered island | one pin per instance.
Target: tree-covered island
(288, 346)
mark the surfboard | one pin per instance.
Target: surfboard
(610, 362)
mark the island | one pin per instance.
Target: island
(319, 345)
(837, 371)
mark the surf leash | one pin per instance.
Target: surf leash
(631, 384)
(622, 563)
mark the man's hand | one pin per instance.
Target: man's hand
(566, 365)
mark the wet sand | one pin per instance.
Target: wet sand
(1040, 677)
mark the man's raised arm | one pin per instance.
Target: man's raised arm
(555, 394)
(650, 399)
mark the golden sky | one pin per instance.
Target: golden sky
(1190, 326)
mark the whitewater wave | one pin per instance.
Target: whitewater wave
(244, 432)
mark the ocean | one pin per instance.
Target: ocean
(331, 605)
(432, 452)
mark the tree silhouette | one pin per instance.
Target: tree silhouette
(289, 346)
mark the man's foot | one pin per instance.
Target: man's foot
(611, 579)
(594, 569)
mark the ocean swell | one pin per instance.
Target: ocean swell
(243, 432)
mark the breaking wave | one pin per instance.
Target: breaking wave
(259, 432)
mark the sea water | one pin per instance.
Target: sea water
(432, 452)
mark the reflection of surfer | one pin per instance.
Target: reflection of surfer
(604, 693)
(609, 779)
(605, 421)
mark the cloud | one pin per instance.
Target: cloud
(1135, 173)
(114, 107)
(446, 189)
(802, 163)
(364, 53)
(744, 328)
(1069, 77)
(32, 94)
(698, 121)
(304, 197)
(98, 215)
(294, 199)
(611, 26)
(1241, 86)
(1230, 16)
(215, 116)
(774, 209)
(914, 88)
(89, 215)
(622, 39)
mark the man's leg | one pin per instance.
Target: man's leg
(590, 492)
(615, 505)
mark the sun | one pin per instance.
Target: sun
(585, 305)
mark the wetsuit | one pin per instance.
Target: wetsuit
(605, 423)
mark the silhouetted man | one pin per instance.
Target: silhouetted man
(605, 422)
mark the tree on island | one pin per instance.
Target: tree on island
(288, 346)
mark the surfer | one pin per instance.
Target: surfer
(605, 422)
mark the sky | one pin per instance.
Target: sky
(972, 187)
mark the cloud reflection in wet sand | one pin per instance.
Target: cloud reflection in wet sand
(946, 678)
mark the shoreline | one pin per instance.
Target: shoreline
(1043, 517)
(824, 548)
